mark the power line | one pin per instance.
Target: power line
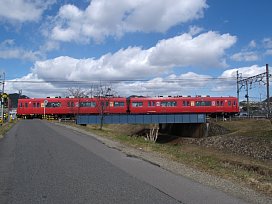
(118, 80)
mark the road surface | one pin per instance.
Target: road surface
(41, 162)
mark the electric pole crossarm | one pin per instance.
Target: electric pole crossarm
(254, 79)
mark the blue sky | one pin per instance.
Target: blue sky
(163, 47)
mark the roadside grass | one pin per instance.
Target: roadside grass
(252, 128)
(5, 127)
(247, 171)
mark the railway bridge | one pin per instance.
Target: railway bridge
(189, 124)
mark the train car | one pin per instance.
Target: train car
(112, 105)
(69, 107)
(37, 107)
(172, 105)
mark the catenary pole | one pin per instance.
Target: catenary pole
(267, 90)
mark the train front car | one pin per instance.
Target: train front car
(43, 107)
(29, 108)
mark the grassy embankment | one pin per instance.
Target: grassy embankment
(255, 173)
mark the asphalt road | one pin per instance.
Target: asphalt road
(41, 162)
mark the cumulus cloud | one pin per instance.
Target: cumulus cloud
(104, 18)
(174, 85)
(32, 86)
(129, 63)
(204, 50)
(23, 10)
(245, 56)
(230, 77)
(245, 71)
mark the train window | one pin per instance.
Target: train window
(118, 104)
(198, 103)
(26, 105)
(229, 103)
(21, 105)
(208, 103)
(234, 103)
(219, 103)
(203, 103)
(84, 104)
(168, 103)
(137, 104)
(53, 104)
(151, 103)
(71, 104)
(186, 103)
(36, 105)
(103, 103)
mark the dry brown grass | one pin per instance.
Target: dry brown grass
(251, 172)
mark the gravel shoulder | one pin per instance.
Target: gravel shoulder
(165, 162)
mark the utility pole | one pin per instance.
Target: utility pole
(20, 93)
(2, 98)
(267, 90)
(249, 81)
(237, 86)
(247, 97)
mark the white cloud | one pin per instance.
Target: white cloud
(49, 46)
(245, 71)
(252, 44)
(8, 50)
(267, 42)
(194, 30)
(205, 50)
(184, 84)
(268, 52)
(245, 56)
(19, 54)
(129, 63)
(104, 18)
(23, 10)
(32, 86)
(229, 78)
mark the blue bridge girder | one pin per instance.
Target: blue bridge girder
(141, 118)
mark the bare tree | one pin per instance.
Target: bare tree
(77, 92)
(103, 93)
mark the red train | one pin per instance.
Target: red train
(69, 107)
